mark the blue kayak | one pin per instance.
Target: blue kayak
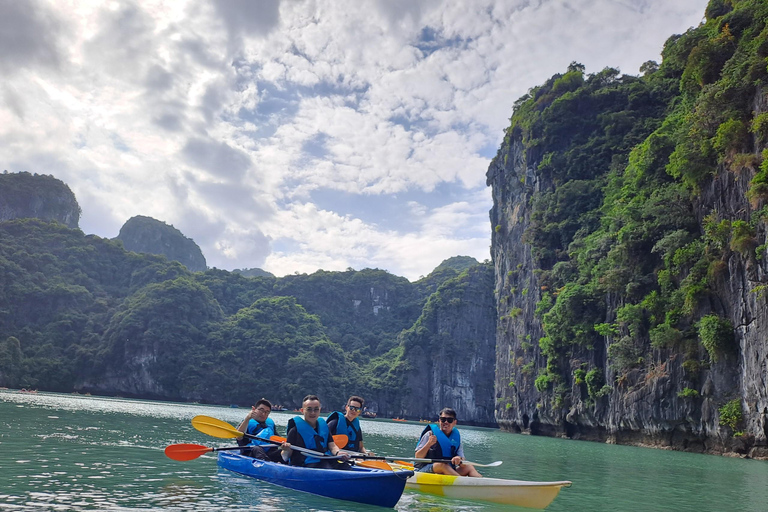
(363, 485)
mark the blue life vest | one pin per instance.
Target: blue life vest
(352, 431)
(316, 440)
(265, 430)
(446, 447)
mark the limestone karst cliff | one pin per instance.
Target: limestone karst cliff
(24, 195)
(147, 235)
(450, 351)
(629, 247)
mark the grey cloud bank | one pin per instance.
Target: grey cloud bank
(296, 135)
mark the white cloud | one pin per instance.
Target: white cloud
(223, 118)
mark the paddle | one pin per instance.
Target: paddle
(217, 428)
(339, 440)
(402, 460)
(184, 451)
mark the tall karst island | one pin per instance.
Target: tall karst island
(629, 245)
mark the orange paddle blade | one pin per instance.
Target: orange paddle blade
(186, 451)
(375, 464)
(404, 463)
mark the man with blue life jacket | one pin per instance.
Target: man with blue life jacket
(348, 424)
(258, 423)
(443, 442)
(311, 432)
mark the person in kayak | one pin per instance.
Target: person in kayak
(311, 432)
(258, 423)
(443, 441)
(348, 424)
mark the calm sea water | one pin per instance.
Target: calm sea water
(70, 452)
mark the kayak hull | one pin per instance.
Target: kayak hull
(361, 485)
(495, 490)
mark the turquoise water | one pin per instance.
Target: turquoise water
(71, 452)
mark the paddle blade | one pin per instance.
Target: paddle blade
(278, 439)
(185, 452)
(404, 463)
(375, 464)
(215, 428)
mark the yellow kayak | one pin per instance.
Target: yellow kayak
(495, 490)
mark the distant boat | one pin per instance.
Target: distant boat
(279, 408)
(234, 406)
(399, 419)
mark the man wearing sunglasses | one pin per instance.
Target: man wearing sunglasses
(311, 432)
(348, 424)
(443, 441)
(258, 423)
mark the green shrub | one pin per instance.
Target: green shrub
(742, 237)
(759, 125)
(607, 329)
(527, 368)
(623, 354)
(692, 367)
(542, 382)
(578, 376)
(716, 334)
(595, 381)
(731, 137)
(731, 414)
(688, 393)
(664, 336)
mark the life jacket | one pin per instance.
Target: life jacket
(446, 447)
(343, 427)
(316, 440)
(265, 429)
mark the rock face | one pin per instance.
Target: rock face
(451, 351)
(644, 406)
(150, 236)
(39, 196)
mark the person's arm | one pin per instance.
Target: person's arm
(243, 427)
(332, 425)
(456, 460)
(426, 442)
(285, 449)
(335, 450)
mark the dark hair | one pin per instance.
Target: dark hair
(264, 401)
(356, 399)
(310, 397)
(448, 410)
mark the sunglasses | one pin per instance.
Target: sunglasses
(444, 419)
(353, 408)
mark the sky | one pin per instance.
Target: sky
(297, 135)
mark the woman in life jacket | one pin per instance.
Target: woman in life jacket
(443, 441)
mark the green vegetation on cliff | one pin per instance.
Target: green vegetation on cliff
(81, 312)
(619, 231)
